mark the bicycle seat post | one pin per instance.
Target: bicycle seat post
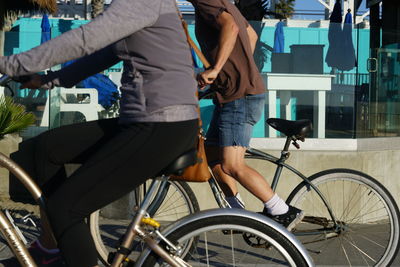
(149, 195)
(135, 228)
(285, 151)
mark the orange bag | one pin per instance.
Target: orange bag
(198, 172)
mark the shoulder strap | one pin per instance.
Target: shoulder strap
(191, 43)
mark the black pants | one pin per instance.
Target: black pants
(115, 159)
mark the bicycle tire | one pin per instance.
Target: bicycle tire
(369, 237)
(223, 235)
(107, 230)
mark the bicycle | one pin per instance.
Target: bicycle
(338, 221)
(225, 229)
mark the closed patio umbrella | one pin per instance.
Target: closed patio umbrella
(349, 59)
(46, 30)
(334, 56)
(279, 38)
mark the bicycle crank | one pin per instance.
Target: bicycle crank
(256, 242)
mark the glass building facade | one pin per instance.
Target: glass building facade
(325, 72)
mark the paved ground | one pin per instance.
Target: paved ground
(6, 253)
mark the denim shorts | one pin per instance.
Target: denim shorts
(232, 123)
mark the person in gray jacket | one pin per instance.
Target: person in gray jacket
(157, 123)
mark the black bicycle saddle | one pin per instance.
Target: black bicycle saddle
(299, 128)
(185, 160)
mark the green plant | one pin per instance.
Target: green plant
(97, 7)
(13, 117)
(285, 8)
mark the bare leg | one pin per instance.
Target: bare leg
(226, 182)
(234, 168)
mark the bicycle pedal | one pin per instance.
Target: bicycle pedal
(126, 263)
(110, 257)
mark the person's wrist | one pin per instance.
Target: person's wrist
(216, 69)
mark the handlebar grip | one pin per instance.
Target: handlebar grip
(4, 80)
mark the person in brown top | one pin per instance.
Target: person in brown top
(228, 42)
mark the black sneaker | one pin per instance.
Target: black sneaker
(289, 220)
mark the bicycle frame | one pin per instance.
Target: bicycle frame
(21, 252)
(280, 162)
(157, 188)
(6, 228)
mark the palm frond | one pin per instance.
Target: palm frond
(285, 8)
(49, 5)
(13, 117)
(31, 5)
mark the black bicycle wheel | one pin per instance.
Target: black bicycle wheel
(367, 233)
(220, 242)
(109, 224)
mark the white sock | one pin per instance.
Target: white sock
(276, 206)
(48, 251)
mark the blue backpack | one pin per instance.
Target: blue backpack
(106, 88)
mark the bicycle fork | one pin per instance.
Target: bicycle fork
(135, 229)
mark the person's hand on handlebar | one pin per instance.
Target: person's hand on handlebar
(33, 82)
(207, 77)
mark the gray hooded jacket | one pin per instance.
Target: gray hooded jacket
(158, 80)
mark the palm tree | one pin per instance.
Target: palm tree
(5, 25)
(13, 117)
(11, 9)
(285, 8)
(97, 7)
(254, 13)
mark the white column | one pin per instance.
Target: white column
(271, 110)
(88, 10)
(319, 113)
(286, 101)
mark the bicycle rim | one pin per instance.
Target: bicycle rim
(220, 242)
(108, 225)
(368, 218)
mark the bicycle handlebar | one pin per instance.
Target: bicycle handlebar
(4, 80)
